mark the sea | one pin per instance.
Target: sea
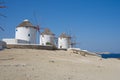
(111, 55)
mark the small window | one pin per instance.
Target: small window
(16, 30)
(28, 34)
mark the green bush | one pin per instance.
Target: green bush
(48, 43)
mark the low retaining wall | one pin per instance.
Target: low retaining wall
(31, 47)
(2, 45)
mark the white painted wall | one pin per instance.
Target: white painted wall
(63, 43)
(15, 41)
(46, 38)
(26, 33)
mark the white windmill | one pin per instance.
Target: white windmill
(26, 31)
(47, 37)
(64, 41)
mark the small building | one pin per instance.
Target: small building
(63, 41)
(15, 41)
(26, 31)
(47, 37)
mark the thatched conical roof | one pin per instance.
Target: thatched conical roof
(26, 23)
(47, 32)
(63, 35)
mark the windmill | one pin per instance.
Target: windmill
(72, 40)
(38, 27)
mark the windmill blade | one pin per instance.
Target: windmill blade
(36, 22)
(3, 15)
(2, 6)
(2, 29)
(38, 28)
(73, 41)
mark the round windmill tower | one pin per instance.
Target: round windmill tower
(47, 37)
(64, 41)
(26, 31)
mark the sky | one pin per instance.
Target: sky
(94, 24)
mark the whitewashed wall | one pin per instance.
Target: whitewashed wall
(26, 33)
(15, 41)
(63, 43)
(46, 38)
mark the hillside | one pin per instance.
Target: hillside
(31, 64)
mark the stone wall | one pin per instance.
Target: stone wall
(31, 47)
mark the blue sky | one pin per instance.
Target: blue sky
(96, 23)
